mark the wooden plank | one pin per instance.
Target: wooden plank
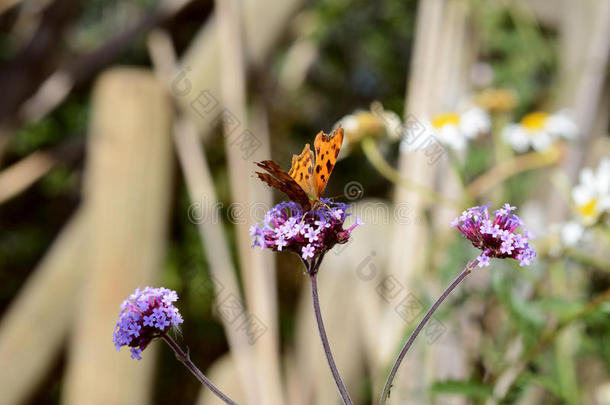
(256, 267)
(438, 67)
(35, 326)
(200, 68)
(127, 191)
(200, 186)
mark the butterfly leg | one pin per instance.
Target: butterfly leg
(329, 208)
(303, 218)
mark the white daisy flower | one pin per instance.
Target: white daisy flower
(377, 123)
(592, 196)
(539, 130)
(454, 130)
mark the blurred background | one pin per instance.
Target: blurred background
(127, 135)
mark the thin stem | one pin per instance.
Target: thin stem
(388, 384)
(509, 168)
(546, 339)
(186, 360)
(329, 356)
(588, 259)
(386, 170)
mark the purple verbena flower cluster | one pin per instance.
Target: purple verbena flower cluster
(287, 226)
(496, 237)
(145, 315)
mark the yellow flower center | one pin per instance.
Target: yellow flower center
(364, 123)
(535, 121)
(497, 99)
(589, 209)
(441, 120)
(370, 122)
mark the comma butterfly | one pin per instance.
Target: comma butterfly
(307, 178)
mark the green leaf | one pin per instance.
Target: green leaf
(471, 389)
(549, 383)
(561, 307)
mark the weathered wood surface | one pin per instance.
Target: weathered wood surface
(200, 186)
(36, 324)
(127, 192)
(200, 69)
(244, 145)
(434, 84)
(583, 61)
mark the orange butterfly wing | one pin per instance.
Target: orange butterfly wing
(302, 171)
(327, 149)
(277, 177)
(307, 179)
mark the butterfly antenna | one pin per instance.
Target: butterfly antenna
(353, 195)
(334, 197)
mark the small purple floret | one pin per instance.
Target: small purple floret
(496, 236)
(145, 315)
(287, 226)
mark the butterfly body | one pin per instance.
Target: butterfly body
(308, 176)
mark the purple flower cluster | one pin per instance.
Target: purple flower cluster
(287, 226)
(145, 315)
(496, 237)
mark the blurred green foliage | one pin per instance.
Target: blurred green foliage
(521, 52)
(67, 121)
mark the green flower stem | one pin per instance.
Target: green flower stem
(188, 363)
(376, 159)
(403, 352)
(588, 259)
(546, 339)
(329, 356)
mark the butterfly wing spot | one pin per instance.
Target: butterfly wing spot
(327, 150)
(301, 183)
(316, 144)
(301, 170)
